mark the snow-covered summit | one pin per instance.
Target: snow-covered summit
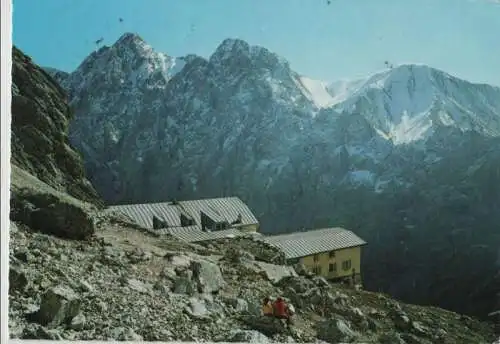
(129, 63)
(407, 103)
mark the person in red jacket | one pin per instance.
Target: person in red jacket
(282, 311)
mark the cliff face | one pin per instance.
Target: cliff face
(40, 121)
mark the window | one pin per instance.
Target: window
(332, 267)
(294, 261)
(158, 223)
(317, 270)
(346, 264)
(316, 257)
(332, 254)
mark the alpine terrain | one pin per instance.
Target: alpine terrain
(79, 272)
(408, 158)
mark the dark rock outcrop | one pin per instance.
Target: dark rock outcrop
(51, 214)
(40, 120)
(49, 190)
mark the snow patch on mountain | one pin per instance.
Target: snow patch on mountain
(316, 92)
(324, 94)
(341, 90)
(410, 129)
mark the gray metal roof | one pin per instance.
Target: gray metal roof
(220, 209)
(143, 214)
(226, 208)
(301, 244)
(194, 234)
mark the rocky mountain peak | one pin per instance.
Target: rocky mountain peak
(133, 45)
(231, 46)
(239, 51)
(129, 63)
(129, 38)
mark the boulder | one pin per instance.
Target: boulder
(247, 336)
(335, 331)
(55, 215)
(237, 256)
(197, 308)
(208, 276)
(239, 305)
(85, 287)
(139, 286)
(59, 305)
(268, 326)
(124, 334)
(183, 285)
(301, 270)
(13, 227)
(178, 260)
(23, 255)
(297, 283)
(390, 338)
(36, 331)
(138, 255)
(275, 273)
(320, 282)
(78, 322)
(168, 273)
(17, 278)
(401, 320)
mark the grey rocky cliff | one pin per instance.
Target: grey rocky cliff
(409, 160)
(39, 134)
(49, 189)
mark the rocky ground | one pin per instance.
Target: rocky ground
(123, 284)
(80, 273)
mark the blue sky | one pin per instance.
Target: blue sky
(346, 39)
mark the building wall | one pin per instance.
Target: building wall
(324, 260)
(249, 228)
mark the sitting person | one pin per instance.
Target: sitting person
(282, 311)
(267, 307)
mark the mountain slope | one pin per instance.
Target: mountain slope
(243, 123)
(40, 120)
